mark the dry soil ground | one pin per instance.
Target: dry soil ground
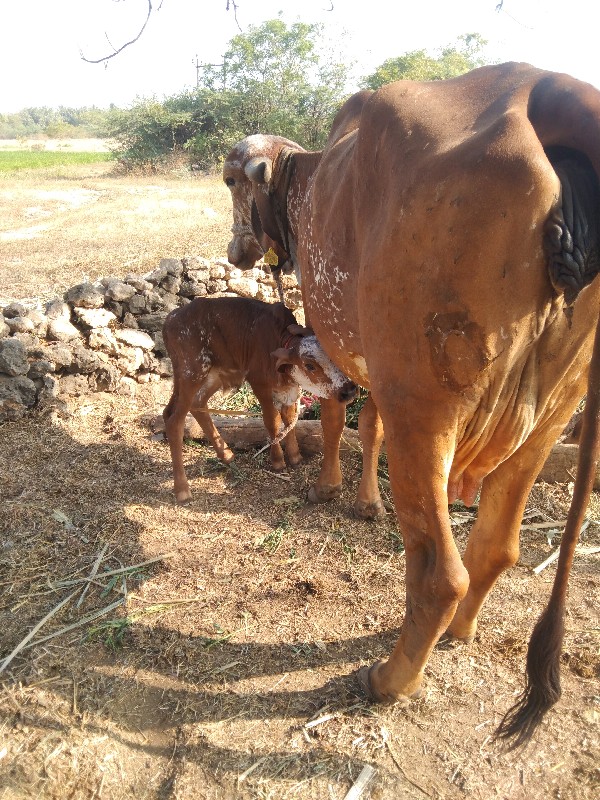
(224, 668)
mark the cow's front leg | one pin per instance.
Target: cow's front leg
(368, 503)
(329, 482)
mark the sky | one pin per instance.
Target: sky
(41, 41)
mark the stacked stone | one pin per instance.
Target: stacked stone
(106, 336)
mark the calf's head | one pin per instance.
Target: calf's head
(305, 361)
(252, 154)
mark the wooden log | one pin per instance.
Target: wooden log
(245, 433)
(561, 465)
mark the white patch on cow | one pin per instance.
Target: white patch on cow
(361, 369)
(447, 460)
(253, 146)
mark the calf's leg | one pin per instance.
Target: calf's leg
(203, 418)
(174, 416)
(289, 416)
(272, 422)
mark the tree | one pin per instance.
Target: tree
(274, 79)
(285, 78)
(418, 65)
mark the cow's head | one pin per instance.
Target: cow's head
(305, 361)
(247, 171)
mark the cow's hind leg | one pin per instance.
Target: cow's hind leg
(436, 580)
(493, 544)
(368, 503)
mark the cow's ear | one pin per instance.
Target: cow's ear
(259, 169)
(281, 356)
(298, 330)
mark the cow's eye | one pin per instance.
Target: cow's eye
(310, 367)
(230, 181)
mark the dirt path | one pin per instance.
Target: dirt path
(83, 223)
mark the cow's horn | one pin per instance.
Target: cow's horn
(259, 169)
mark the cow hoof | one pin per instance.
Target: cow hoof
(323, 494)
(278, 467)
(297, 462)
(184, 497)
(369, 510)
(364, 679)
(447, 641)
(227, 456)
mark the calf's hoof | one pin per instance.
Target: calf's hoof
(294, 463)
(183, 497)
(226, 456)
(323, 494)
(365, 678)
(364, 510)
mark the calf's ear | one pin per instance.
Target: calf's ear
(283, 362)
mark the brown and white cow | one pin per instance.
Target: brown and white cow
(217, 344)
(250, 240)
(448, 248)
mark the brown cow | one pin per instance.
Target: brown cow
(447, 247)
(250, 240)
(217, 344)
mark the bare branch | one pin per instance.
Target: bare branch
(233, 5)
(118, 50)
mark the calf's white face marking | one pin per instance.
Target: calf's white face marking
(323, 382)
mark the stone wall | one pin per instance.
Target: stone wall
(106, 336)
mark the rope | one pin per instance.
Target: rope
(281, 435)
(230, 412)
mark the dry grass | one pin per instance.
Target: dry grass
(226, 670)
(63, 226)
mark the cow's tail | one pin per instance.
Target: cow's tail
(542, 688)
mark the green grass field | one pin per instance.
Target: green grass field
(14, 160)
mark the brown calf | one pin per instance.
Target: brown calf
(217, 344)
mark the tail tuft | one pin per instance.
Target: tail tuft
(542, 689)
